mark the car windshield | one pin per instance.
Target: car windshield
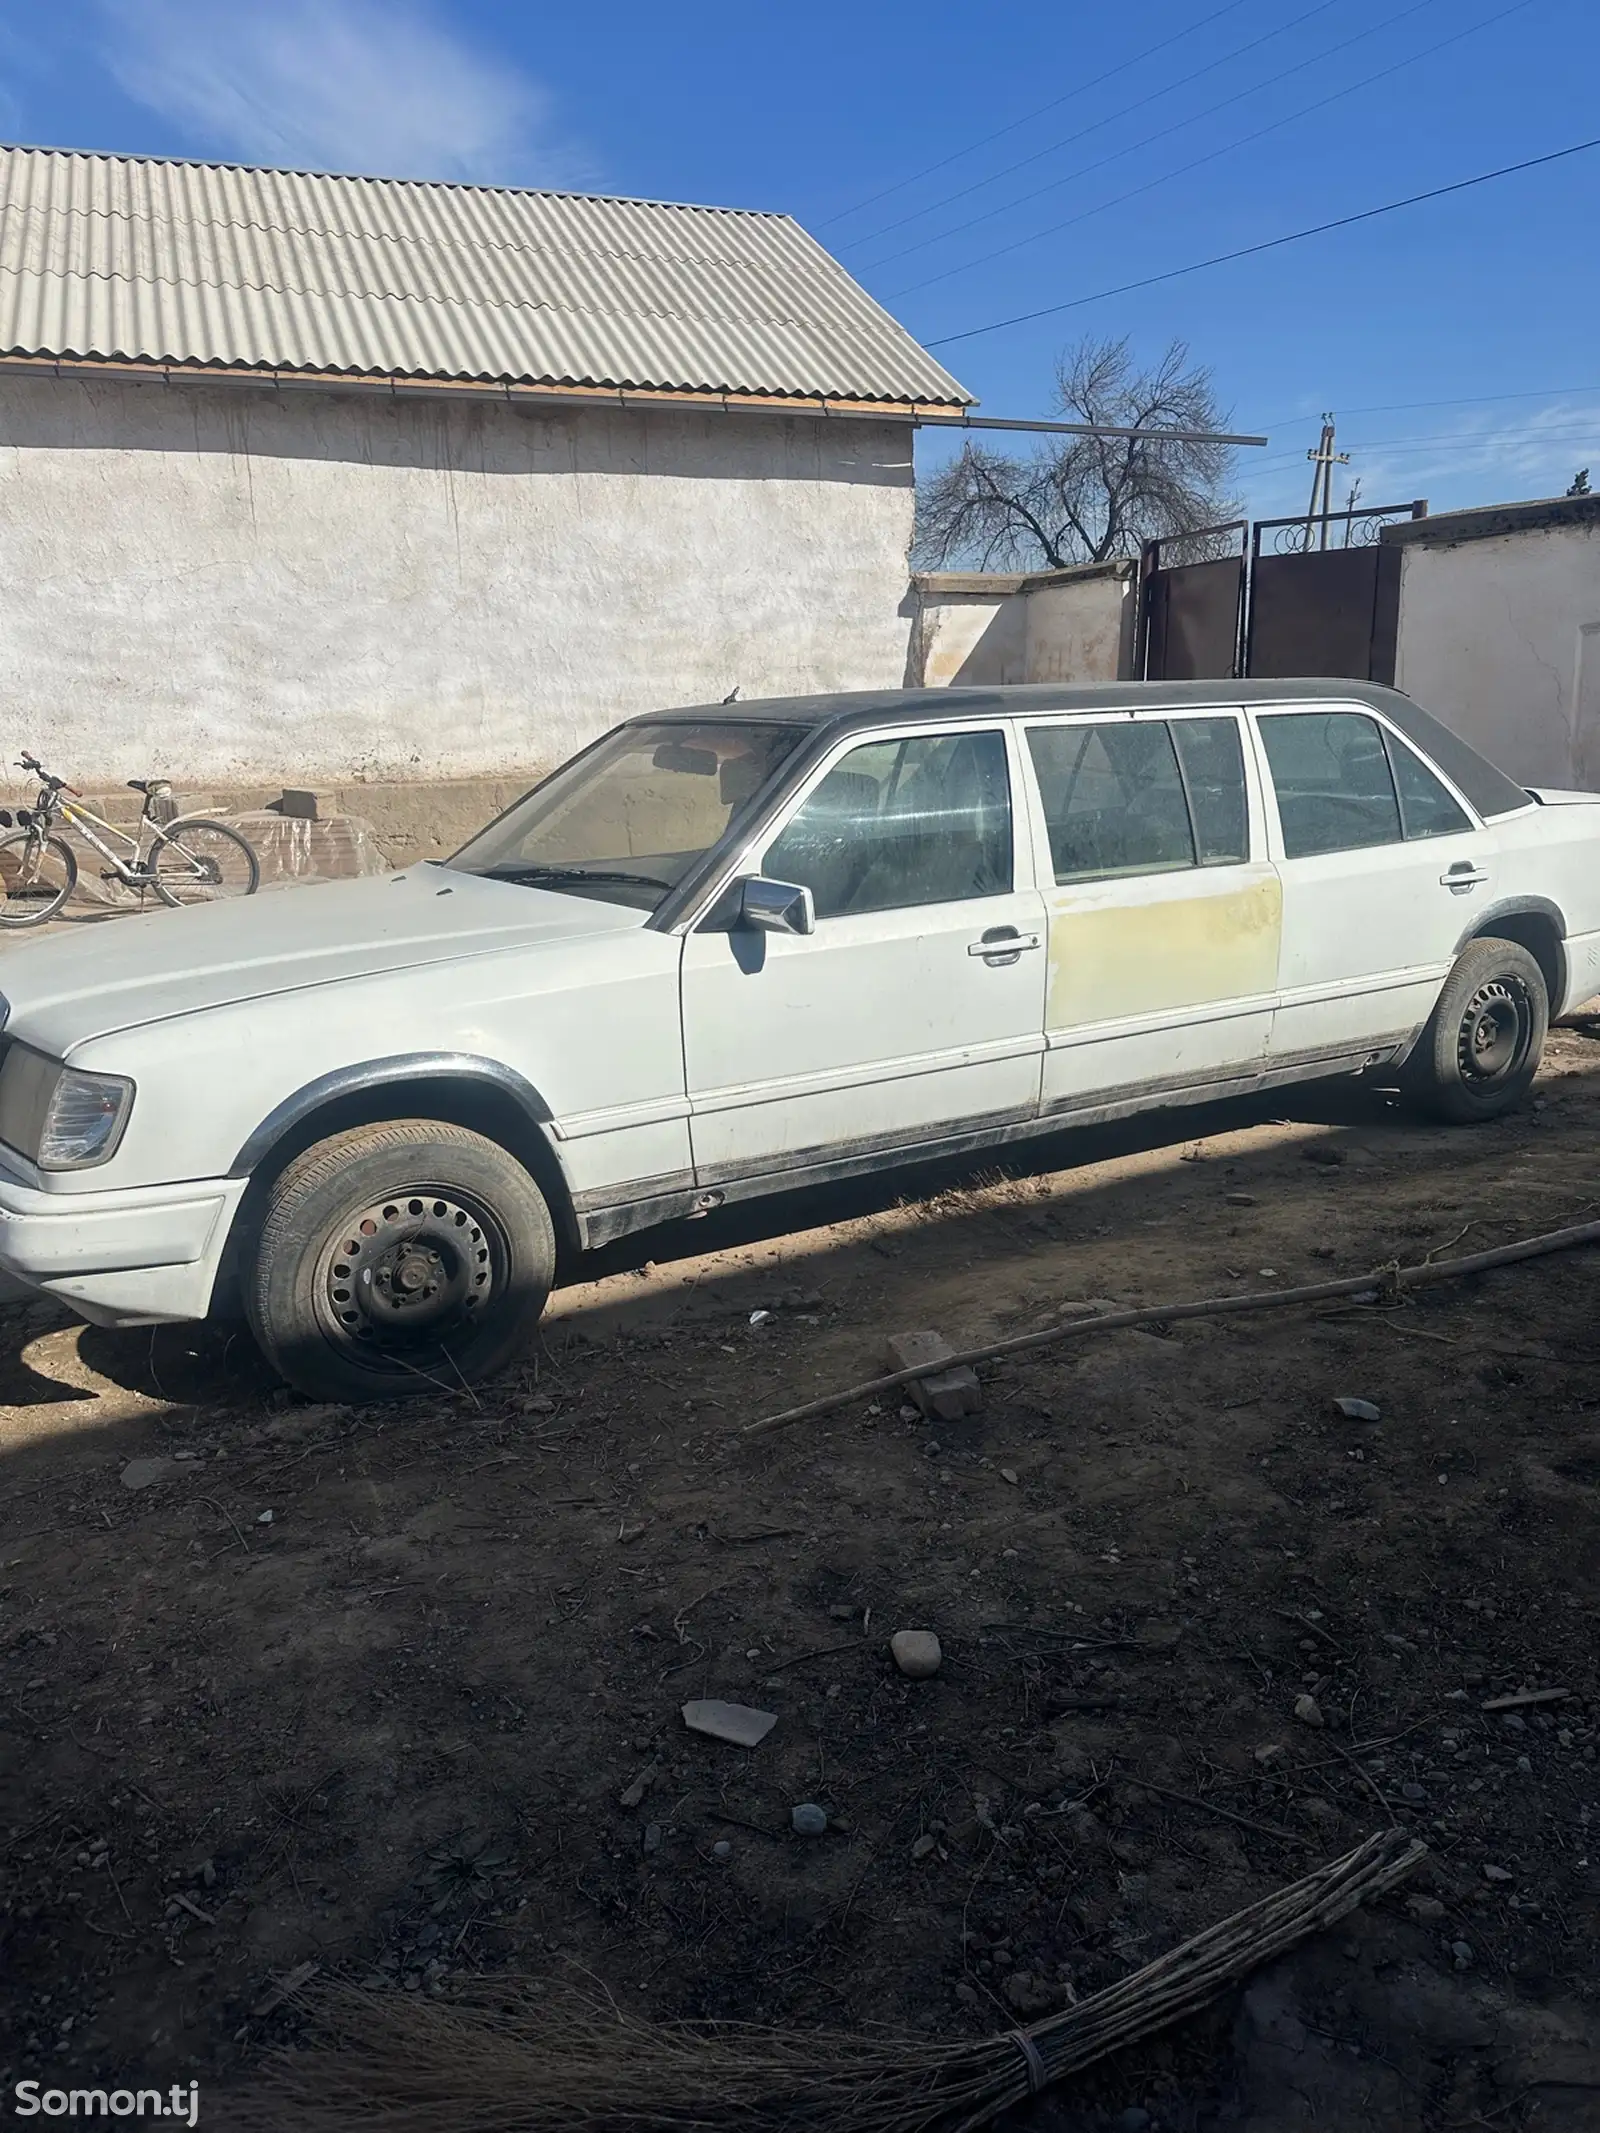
(630, 818)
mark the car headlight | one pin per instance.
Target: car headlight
(59, 1116)
(83, 1120)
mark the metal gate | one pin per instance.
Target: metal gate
(1192, 610)
(1306, 595)
(1325, 595)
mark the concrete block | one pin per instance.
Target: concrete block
(301, 804)
(942, 1395)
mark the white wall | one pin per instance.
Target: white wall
(978, 628)
(1500, 637)
(1080, 624)
(242, 587)
(968, 629)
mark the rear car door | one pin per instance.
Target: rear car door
(1163, 905)
(914, 1011)
(1383, 866)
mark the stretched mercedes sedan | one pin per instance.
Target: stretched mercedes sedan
(726, 951)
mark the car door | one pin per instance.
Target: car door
(1163, 908)
(914, 1010)
(1383, 866)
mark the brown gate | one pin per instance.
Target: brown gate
(1317, 595)
(1325, 595)
(1192, 610)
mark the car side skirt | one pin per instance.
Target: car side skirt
(675, 1200)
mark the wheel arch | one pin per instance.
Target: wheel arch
(1536, 924)
(455, 1089)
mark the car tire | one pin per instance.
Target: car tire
(398, 1259)
(1483, 1042)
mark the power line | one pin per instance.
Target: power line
(1212, 155)
(1399, 407)
(1268, 244)
(1112, 119)
(1138, 60)
(1457, 441)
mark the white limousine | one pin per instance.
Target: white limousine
(730, 950)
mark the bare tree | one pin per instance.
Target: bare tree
(1086, 499)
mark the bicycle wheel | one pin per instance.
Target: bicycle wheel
(37, 875)
(202, 863)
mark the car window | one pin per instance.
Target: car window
(1332, 779)
(1426, 809)
(627, 819)
(1113, 799)
(925, 820)
(1212, 761)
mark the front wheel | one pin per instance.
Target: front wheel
(1482, 1046)
(203, 863)
(37, 875)
(413, 1257)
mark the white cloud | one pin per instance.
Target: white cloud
(370, 86)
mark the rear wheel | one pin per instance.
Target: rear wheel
(203, 863)
(1482, 1046)
(37, 875)
(396, 1259)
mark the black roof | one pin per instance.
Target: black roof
(1490, 790)
(890, 706)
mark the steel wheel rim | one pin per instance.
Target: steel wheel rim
(404, 1273)
(1495, 1032)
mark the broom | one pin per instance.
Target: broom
(519, 2061)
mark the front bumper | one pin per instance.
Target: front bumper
(130, 1258)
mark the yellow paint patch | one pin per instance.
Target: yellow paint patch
(1125, 948)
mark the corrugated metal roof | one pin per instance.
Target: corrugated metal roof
(130, 259)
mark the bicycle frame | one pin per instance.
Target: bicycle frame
(135, 873)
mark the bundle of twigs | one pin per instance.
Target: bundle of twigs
(522, 2062)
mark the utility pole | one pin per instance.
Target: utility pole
(1324, 459)
(1350, 509)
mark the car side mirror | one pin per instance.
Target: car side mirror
(776, 906)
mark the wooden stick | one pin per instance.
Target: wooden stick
(1392, 1278)
(1193, 1799)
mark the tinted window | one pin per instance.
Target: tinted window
(1212, 762)
(1426, 809)
(1113, 799)
(919, 821)
(1489, 790)
(1334, 790)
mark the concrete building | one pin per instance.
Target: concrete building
(330, 480)
(1500, 632)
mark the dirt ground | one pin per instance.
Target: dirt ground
(368, 1689)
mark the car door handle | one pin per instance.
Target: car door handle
(1463, 875)
(1003, 941)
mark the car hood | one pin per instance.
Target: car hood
(67, 988)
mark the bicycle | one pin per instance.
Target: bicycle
(188, 859)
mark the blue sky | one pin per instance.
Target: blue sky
(1457, 341)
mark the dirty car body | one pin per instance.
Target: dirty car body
(731, 950)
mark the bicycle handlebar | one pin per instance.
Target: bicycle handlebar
(32, 762)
